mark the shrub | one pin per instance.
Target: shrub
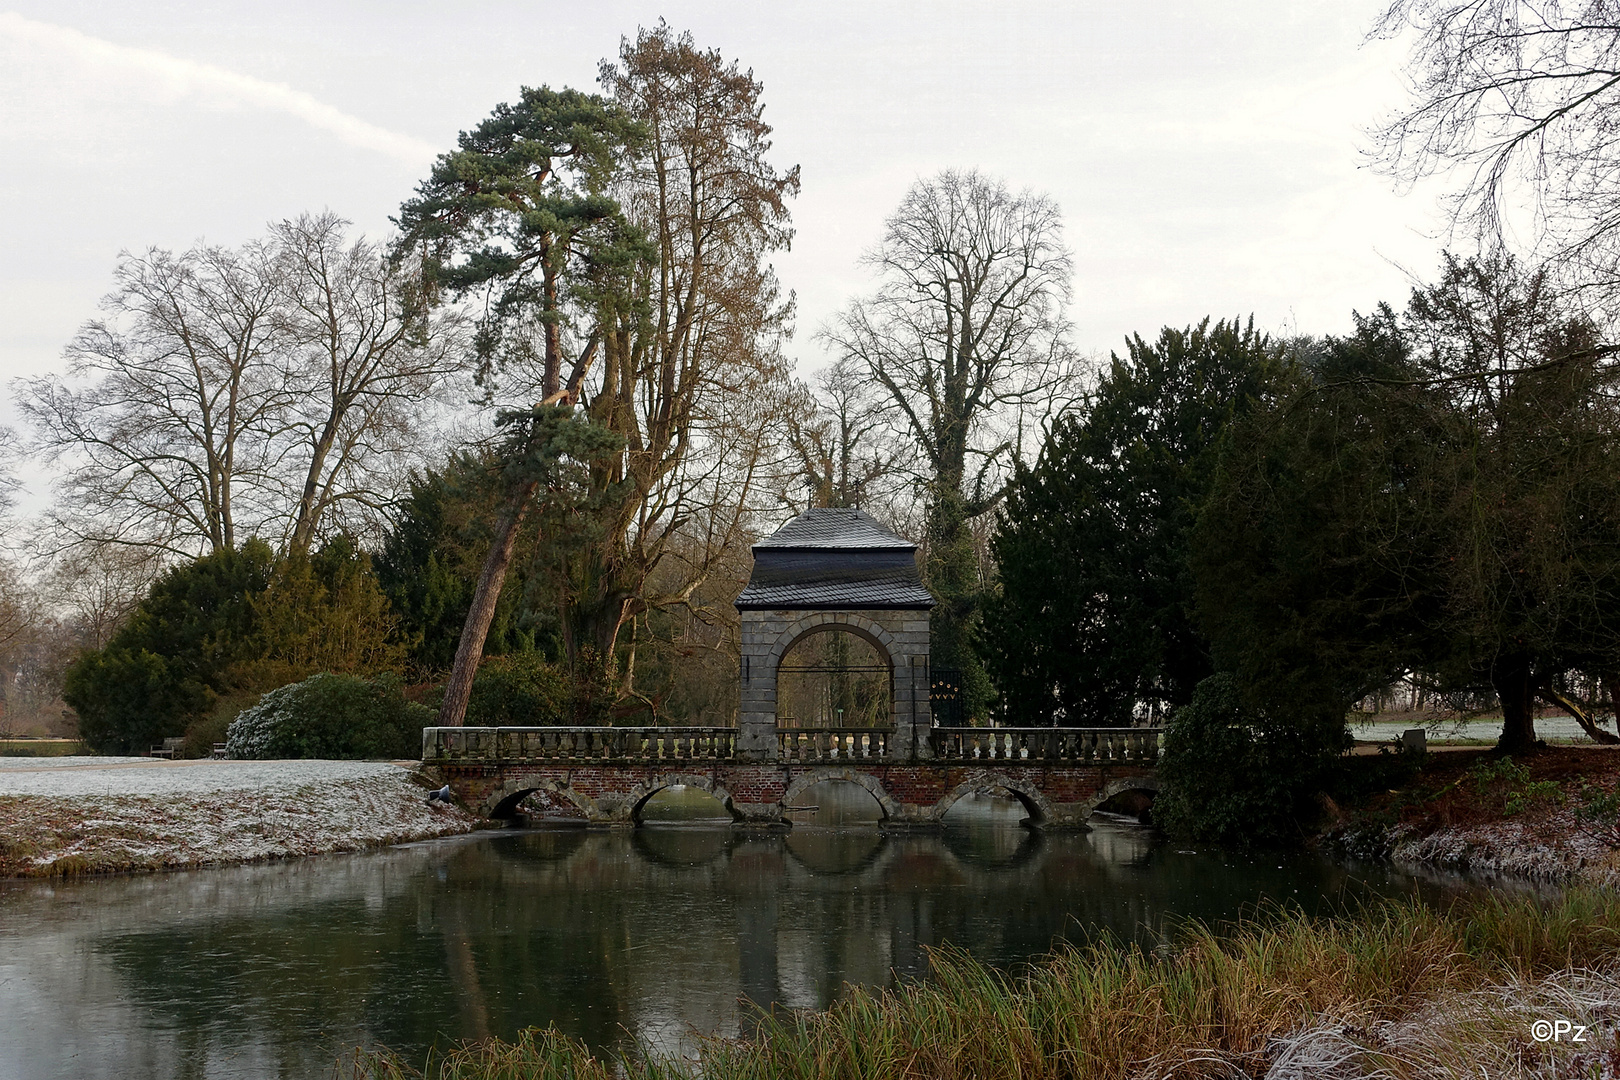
(519, 690)
(331, 716)
(163, 669)
(1235, 775)
(130, 700)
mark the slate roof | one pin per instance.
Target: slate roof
(836, 528)
(829, 559)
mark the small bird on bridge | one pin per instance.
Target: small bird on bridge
(442, 795)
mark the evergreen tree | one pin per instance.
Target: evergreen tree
(1094, 617)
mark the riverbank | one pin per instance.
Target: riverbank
(102, 815)
(1493, 987)
(1470, 810)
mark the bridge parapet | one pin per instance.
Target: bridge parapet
(596, 745)
(1135, 746)
(834, 744)
(663, 745)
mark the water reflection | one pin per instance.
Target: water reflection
(616, 937)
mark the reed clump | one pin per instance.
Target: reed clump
(1398, 989)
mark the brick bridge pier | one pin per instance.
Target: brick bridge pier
(1060, 775)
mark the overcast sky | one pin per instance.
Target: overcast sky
(1207, 156)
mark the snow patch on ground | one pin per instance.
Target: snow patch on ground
(141, 813)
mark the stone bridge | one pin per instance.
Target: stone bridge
(1060, 775)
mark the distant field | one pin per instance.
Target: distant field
(41, 747)
(1479, 730)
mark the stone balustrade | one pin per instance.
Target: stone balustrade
(832, 744)
(629, 745)
(1137, 746)
(648, 745)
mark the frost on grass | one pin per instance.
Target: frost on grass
(1554, 849)
(1488, 1033)
(149, 815)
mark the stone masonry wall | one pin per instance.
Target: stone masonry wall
(901, 637)
(909, 793)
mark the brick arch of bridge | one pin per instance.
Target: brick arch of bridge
(1148, 783)
(626, 806)
(1027, 793)
(916, 792)
(804, 781)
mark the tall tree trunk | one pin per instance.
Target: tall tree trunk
(1517, 692)
(453, 711)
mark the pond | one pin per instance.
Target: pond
(649, 937)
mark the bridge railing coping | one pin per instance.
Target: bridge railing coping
(1138, 745)
(628, 744)
(833, 743)
(578, 742)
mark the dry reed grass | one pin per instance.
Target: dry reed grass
(1401, 990)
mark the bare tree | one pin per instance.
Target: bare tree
(692, 369)
(10, 452)
(162, 425)
(967, 335)
(844, 446)
(1521, 99)
(95, 589)
(368, 363)
(258, 391)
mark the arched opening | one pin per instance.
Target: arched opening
(539, 806)
(834, 676)
(996, 808)
(682, 804)
(1131, 806)
(833, 803)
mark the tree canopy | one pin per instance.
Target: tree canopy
(966, 334)
(1093, 620)
(1517, 97)
(1439, 493)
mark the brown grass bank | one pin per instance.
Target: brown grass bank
(1401, 990)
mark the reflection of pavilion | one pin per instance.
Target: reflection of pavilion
(825, 576)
